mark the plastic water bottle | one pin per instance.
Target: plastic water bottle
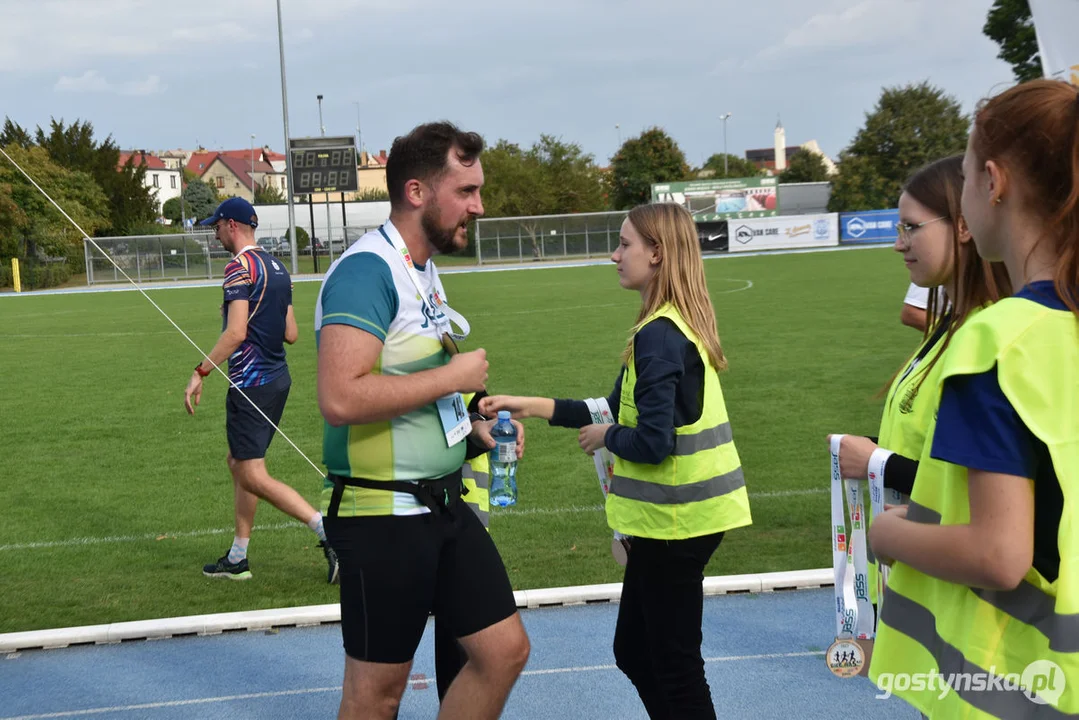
(503, 491)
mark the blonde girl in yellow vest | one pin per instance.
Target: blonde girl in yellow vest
(678, 483)
(980, 618)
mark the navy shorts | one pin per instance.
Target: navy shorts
(248, 432)
(397, 570)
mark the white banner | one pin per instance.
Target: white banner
(1055, 24)
(777, 233)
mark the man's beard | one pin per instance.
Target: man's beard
(441, 238)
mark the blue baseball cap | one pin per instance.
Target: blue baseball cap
(235, 208)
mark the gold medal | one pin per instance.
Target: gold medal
(449, 345)
(620, 550)
(845, 658)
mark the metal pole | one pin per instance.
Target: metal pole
(325, 196)
(565, 248)
(498, 242)
(252, 168)
(161, 255)
(311, 210)
(344, 225)
(587, 252)
(359, 135)
(724, 118)
(479, 245)
(288, 154)
(186, 271)
(89, 262)
(520, 246)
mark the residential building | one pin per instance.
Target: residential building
(165, 182)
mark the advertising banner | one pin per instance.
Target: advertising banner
(870, 226)
(780, 233)
(730, 198)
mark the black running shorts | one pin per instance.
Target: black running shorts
(248, 432)
(396, 570)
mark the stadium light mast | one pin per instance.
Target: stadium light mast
(725, 118)
(288, 154)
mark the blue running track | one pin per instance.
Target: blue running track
(764, 659)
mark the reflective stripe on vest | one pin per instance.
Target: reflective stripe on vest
(477, 481)
(703, 440)
(1031, 633)
(699, 489)
(651, 492)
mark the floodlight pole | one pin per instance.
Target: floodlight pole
(288, 154)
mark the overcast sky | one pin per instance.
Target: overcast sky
(160, 75)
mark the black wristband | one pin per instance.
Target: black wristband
(476, 417)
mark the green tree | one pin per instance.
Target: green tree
(736, 167)
(1011, 26)
(910, 126)
(805, 166)
(201, 200)
(552, 177)
(131, 203)
(29, 224)
(14, 134)
(652, 157)
(172, 210)
(268, 195)
(303, 240)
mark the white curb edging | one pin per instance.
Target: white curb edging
(320, 614)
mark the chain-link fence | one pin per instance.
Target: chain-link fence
(197, 255)
(154, 257)
(547, 237)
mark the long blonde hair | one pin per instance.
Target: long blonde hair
(679, 277)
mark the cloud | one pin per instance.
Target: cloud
(214, 33)
(89, 81)
(60, 35)
(150, 86)
(92, 81)
(869, 22)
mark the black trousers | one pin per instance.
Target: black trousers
(657, 641)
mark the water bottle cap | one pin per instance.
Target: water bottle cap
(503, 414)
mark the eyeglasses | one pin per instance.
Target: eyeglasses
(905, 230)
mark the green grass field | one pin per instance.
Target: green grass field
(112, 498)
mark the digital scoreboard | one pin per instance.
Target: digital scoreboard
(323, 164)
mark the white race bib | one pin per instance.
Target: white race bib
(454, 416)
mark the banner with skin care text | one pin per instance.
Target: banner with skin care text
(784, 232)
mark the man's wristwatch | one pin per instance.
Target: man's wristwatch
(476, 417)
(199, 370)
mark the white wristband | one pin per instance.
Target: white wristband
(877, 461)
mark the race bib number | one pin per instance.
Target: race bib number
(454, 417)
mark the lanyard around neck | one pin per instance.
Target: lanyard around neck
(444, 316)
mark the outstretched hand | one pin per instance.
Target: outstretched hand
(517, 405)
